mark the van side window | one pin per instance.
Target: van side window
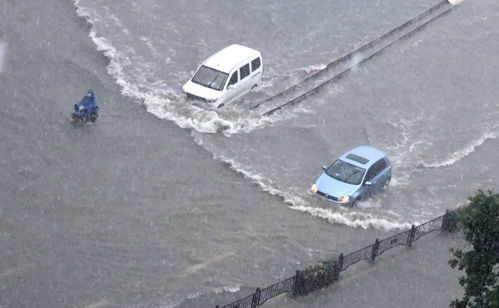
(244, 71)
(255, 64)
(233, 78)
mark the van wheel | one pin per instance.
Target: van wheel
(221, 105)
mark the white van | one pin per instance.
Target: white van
(229, 73)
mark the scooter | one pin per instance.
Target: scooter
(86, 110)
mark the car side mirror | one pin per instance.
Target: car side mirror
(231, 86)
(324, 168)
(368, 183)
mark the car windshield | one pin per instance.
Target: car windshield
(345, 172)
(210, 78)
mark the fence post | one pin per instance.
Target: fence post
(445, 221)
(449, 221)
(295, 285)
(340, 263)
(412, 233)
(374, 252)
(256, 298)
(336, 271)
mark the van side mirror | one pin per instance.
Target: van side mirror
(231, 86)
(368, 183)
(324, 168)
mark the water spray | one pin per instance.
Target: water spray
(3, 51)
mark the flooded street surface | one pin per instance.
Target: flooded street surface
(162, 202)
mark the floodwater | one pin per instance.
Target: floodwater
(428, 102)
(161, 201)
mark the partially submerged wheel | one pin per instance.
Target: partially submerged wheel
(93, 117)
(387, 183)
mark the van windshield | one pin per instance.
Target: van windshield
(210, 78)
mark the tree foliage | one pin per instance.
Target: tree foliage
(480, 226)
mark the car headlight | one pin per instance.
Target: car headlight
(344, 199)
(313, 188)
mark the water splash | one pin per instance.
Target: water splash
(3, 52)
(462, 153)
(161, 101)
(455, 2)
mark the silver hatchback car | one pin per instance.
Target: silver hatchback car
(355, 175)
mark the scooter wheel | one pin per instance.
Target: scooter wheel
(92, 117)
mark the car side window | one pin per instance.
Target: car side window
(244, 71)
(382, 165)
(255, 64)
(375, 169)
(233, 78)
(371, 173)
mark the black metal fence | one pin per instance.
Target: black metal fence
(324, 273)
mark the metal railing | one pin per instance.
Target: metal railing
(326, 272)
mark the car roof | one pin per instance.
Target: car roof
(229, 57)
(360, 152)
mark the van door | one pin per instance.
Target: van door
(244, 79)
(241, 86)
(231, 90)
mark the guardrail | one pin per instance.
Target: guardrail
(327, 272)
(365, 53)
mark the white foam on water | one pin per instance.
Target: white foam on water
(462, 153)
(349, 218)
(355, 60)
(228, 289)
(353, 218)
(400, 151)
(162, 101)
(313, 69)
(165, 103)
(3, 52)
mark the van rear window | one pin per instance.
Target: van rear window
(244, 71)
(255, 64)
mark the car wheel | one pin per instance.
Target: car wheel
(254, 86)
(387, 183)
(354, 202)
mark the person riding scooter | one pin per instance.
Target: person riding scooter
(86, 109)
